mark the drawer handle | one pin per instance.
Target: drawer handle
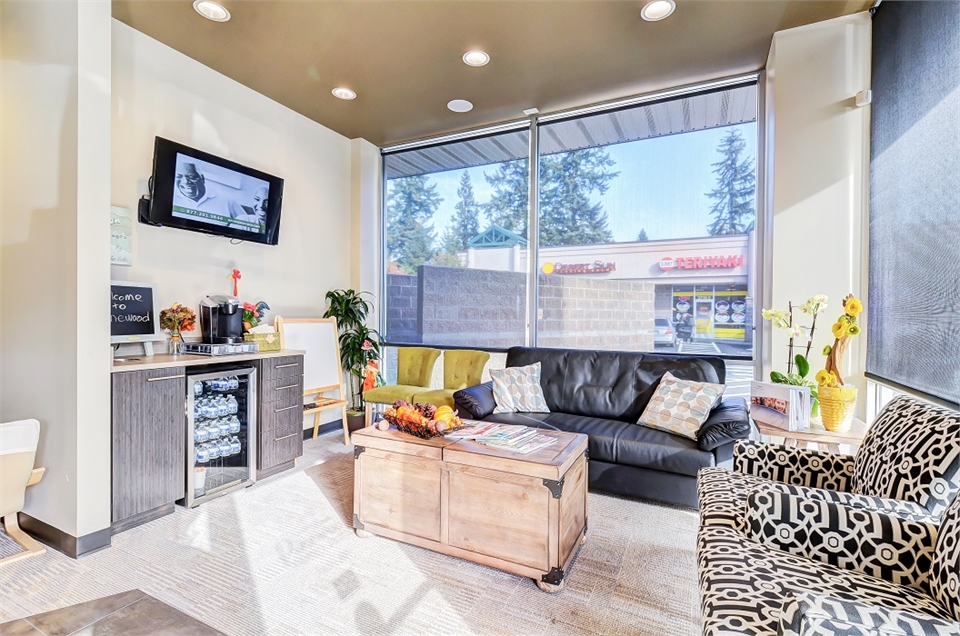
(277, 439)
(166, 377)
(285, 366)
(287, 408)
(289, 386)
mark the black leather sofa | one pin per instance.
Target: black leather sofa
(602, 394)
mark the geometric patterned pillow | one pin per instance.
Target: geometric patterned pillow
(911, 452)
(945, 574)
(518, 390)
(680, 406)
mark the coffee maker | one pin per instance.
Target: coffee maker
(221, 320)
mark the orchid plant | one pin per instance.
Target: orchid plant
(783, 319)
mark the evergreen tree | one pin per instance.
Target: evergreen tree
(567, 182)
(642, 236)
(465, 223)
(733, 206)
(411, 204)
(509, 204)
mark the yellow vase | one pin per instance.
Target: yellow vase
(837, 406)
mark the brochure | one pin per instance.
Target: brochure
(780, 405)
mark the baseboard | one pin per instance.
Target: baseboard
(335, 425)
(64, 542)
(143, 517)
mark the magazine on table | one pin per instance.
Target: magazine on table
(512, 437)
(780, 405)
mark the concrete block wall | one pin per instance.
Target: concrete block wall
(402, 308)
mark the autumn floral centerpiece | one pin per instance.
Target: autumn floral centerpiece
(176, 319)
(838, 400)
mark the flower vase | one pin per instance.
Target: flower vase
(837, 406)
(175, 344)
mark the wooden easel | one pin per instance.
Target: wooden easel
(317, 381)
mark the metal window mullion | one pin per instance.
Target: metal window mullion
(533, 233)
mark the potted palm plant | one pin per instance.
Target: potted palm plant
(359, 346)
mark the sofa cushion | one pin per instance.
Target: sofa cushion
(680, 406)
(517, 390)
(945, 578)
(609, 384)
(743, 585)
(391, 393)
(649, 448)
(911, 452)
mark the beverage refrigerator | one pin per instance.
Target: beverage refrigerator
(221, 433)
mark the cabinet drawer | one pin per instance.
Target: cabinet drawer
(275, 417)
(285, 367)
(277, 449)
(286, 390)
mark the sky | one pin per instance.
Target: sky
(661, 187)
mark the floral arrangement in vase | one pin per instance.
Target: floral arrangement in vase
(177, 319)
(783, 319)
(253, 314)
(839, 400)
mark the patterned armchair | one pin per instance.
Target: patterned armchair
(804, 542)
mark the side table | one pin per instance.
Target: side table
(817, 435)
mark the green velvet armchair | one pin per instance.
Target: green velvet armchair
(461, 368)
(414, 369)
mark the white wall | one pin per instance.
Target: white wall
(158, 91)
(365, 233)
(818, 142)
(54, 272)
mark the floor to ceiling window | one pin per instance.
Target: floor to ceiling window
(645, 231)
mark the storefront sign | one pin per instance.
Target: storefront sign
(596, 267)
(668, 263)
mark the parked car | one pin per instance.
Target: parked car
(663, 333)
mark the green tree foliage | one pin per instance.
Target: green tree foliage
(508, 205)
(567, 182)
(733, 206)
(642, 235)
(465, 223)
(411, 204)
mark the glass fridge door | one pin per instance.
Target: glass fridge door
(221, 433)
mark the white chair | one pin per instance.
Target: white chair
(18, 449)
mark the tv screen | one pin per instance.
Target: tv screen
(194, 190)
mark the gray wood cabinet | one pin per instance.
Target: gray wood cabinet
(149, 446)
(281, 413)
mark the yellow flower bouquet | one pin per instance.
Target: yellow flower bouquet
(838, 401)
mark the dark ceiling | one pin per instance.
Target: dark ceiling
(403, 58)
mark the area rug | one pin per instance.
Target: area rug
(280, 558)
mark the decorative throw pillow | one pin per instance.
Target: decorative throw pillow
(680, 406)
(518, 390)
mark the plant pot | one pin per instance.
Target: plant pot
(355, 420)
(837, 406)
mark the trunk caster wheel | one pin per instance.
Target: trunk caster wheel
(363, 534)
(550, 589)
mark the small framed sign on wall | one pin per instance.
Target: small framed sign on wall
(134, 317)
(121, 229)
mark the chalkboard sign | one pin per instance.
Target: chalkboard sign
(133, 316)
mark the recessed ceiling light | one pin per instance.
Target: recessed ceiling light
(344, 93)
(475, 58)
(657, 10)
(211, 10)
(460, 106)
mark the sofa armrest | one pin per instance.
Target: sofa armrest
(875, 543)
(805, 614)
(475, 402)
(797, 466)
(728, 421)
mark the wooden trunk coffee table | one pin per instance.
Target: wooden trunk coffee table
(525, 514)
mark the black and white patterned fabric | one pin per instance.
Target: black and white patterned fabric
(911, 452)
(902, 509)
(743, 585)
(881, 545)
(722, 496)
(796, 466)
(945, 578)
(815, 615)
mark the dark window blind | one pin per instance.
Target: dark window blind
(914, 288)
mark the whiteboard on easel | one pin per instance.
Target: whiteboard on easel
(318, 339)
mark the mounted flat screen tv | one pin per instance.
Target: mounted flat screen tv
(194, 190)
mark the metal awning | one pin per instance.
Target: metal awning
(656, 119)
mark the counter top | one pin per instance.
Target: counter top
(163, 361)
